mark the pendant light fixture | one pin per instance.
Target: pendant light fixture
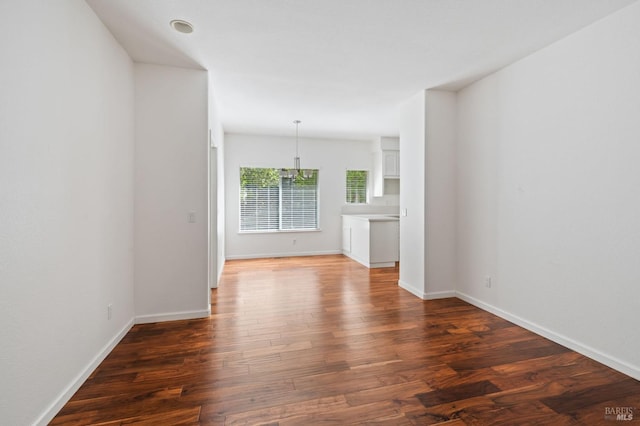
(296, 171)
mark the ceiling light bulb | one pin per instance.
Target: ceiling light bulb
(181, 26)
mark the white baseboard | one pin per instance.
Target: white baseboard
(616, 364)
(426, 296)
(413, 290)
(364, 262)
(286, 254)
(439, 295)
(173, 316)
(75, 384)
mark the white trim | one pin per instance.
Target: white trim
(616, 364)
(413, 290)
(219, 273)
(365, 262)
(426, 296)
(440, 295)
(352, 256)
(278, 231)
(173, 316)
(288, 254)
(84, 374)
(381, 265)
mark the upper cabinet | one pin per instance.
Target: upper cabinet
(391, 164)
(386, 163)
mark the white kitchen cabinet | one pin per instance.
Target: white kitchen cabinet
(386, 165)
(371, 240)
(346, 236)
(391, 164)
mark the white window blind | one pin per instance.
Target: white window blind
(259, 199)
(271, 203)
(300, 202)
(356, 187)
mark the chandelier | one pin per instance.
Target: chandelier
(296, 171)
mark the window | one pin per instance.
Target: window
(269, 202)
(356, 188)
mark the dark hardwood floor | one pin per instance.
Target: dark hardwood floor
(324, 340)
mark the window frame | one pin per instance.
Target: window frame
(280, 207)
(367, 190)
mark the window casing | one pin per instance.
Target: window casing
(356, 187)
(271, 203)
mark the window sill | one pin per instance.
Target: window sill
(279, 231)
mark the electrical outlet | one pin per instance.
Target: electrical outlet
(487, 282)
(109, 310)
(294, 241)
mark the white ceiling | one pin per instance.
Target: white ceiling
(341, 66)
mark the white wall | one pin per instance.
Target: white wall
(216, 193)
(171, 180)
(331, 156)
(548, 191)
(66, 202)
(427, 176)
(412, 194)
(440, 190)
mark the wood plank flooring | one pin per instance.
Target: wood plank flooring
(324, 340)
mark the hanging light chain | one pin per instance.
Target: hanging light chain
(296, 171)
(297, 122)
